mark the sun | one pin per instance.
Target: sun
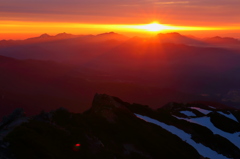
(156, 27)
(152, 27)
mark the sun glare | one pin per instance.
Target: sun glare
(154, 27)
(20, 28)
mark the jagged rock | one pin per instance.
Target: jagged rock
(107, 106)
(17, 113)
(12, 121)
(112, 128)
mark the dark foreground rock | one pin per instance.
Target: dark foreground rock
(114, 129)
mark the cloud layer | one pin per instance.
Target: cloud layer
(108, 11)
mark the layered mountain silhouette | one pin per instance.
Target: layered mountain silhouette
(191, 87)
(179, 39)
(50, 71)
(45, 37)
(112, 128)
(222, 40)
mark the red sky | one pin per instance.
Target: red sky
(21, 18)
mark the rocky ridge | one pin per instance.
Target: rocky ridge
(112, 128)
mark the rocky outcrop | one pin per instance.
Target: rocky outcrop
(12, 121)
(112, 128)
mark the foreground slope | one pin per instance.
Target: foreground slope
(112, 128)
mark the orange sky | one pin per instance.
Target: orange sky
(24, 18)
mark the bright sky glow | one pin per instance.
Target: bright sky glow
(122, 16)
(26, 29)
(54, 27)
(153, 27)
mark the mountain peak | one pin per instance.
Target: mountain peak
(45, 35)
(177, 38)
(63, 35)
(104, 101)
(174, 33)
(109, 106)
(222, 40)
(108, 33)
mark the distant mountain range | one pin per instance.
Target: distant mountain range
(112, 128)
(179, 39)
(221, 40)
(66, 70)
(66, 47)
(173, 37)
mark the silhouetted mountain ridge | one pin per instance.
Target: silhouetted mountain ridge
(222, 40)
(179, 39)
(112, 128)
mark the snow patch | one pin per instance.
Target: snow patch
(230, 115)
(204, 111)
(211, 107)
(202, 150)
(8, 128)
(187, 113)
(205, 121)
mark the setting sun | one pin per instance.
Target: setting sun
(153, 27)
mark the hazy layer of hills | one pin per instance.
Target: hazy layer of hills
(66, 70)
(113, 129)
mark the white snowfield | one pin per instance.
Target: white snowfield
(205, 121)
(230, 116)
(204, 111)
(7, 129)
(188, 113)
(211, 107)
(202, 150)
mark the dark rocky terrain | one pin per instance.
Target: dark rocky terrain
(115, 129)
